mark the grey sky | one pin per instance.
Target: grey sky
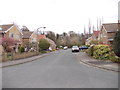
(58, 15)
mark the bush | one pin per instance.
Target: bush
(116, 43)
(43, 44)
(22, 49)
(91, 50)
(113, 57)
(101, 52)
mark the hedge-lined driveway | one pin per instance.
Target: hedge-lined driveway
(60, 69)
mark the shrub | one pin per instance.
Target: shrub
(43, 44)
(7, 42)
(116, 43)
(22, 49)
(113, 57)
(101, 52)
(91, 50)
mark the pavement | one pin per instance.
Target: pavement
(21, 61)
(103, 64)
(84, 58)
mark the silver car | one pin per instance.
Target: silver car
(75, 49)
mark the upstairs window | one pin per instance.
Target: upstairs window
(12, 35)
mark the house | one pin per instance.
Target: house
(95, 35)
(107, 33)
(52, 43)
(93, 39)
(88, 41)
(11, 31)
(29, 38)
(33, 38)
(25, 37)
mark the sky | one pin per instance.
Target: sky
(58, 15)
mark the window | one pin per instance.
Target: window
(12, 35)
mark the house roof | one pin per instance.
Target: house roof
(96, 33)
(111, 27)
(27, 35)
(6, 27)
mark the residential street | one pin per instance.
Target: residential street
(60, 69)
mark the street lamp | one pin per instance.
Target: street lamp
(38, 38)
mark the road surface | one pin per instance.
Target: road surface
(60, 69)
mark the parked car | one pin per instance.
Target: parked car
(50, 49)
(65, 48)
(83, 47)
(75, 49)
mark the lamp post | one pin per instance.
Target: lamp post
(38, 39)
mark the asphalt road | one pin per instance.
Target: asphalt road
(60, 69)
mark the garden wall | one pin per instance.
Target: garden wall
(15, 56)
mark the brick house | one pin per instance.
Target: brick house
(29, 38)
(12, 31)
(88, 41)
(95, 35)
(107, 33)
(33, 38)
(93, 39)
(25, 37)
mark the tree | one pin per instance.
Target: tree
(43, 44)
(116, 43)
(51, 35)
(7, 42)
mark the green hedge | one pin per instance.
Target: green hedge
(101, 52)
(91, 50)
(43, 44)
